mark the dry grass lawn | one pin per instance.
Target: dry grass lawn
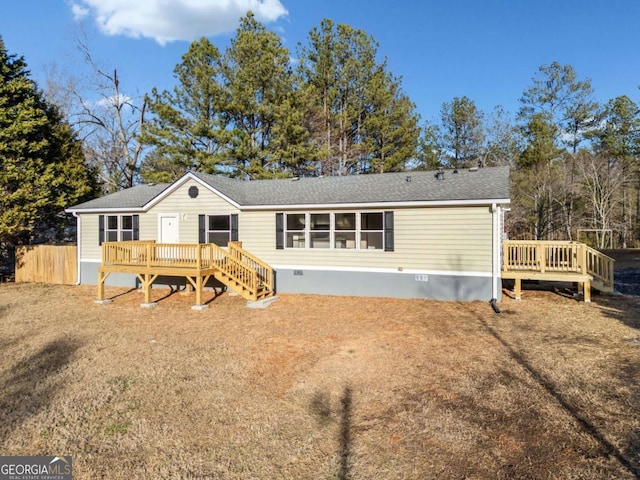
(321, 387)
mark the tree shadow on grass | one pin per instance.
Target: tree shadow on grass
(321, 407)
(625, 458)
(32, 384)
(625, 309)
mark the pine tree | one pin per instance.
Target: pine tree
(188, 127)
(359, 103)
(463, 132)
(390, 127)
(42, 167)
(259, 89)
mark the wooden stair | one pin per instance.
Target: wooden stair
(244, 273)
(600, 267)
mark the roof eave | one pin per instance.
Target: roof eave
(421, 203)
(105, 210)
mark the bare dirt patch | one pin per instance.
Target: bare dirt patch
(321, 387)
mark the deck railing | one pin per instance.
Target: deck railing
(263, 270)
(557, 256)
(148, 253)
(236, 264)
(600, 266)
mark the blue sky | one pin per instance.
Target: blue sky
(487, 50)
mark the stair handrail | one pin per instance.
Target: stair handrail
(599, 265)
(235, 269)
(263, 270)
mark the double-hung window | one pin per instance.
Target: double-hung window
(118, 228)
(335, 230)
(345, 230)
(218, 229)
(320, 230)
(371, 231)
(295, 230)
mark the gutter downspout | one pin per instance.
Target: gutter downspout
(495, 262)
(78, 246)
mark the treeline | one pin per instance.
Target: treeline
(248, 112)
(575, 163)
(257, 110)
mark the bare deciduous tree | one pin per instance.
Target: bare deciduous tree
(107, 120)
(602, 181)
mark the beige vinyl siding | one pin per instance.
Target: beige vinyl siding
(89, 233)
(188, 209)
(177, 202)
(456, 239)
(434, 238)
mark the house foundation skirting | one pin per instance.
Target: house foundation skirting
(433, 286)
(449, 287)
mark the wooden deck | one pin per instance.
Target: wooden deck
(557, 261)
(236, 268)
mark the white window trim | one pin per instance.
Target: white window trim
(119, 230)
(207, 231)
(332, 231)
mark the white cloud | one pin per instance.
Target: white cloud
(170, 20)
(79, 12)
(113, 101)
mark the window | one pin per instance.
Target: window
(320, 227)
(295, 230)
(371, 231)
(345, 230)
(218, 229)
(117, 228)
(339, 230)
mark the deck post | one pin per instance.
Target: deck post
(147, 289)
(102, 276)
(517, 288)
(582, 267)
(148, 248)
(610, 273)
(587, 291)
(540, 253)
(199, 286)
(101, 279)
(147, 279)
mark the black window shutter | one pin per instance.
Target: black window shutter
(201, 229)
(234, 227)
(100, 229)
(279, 231)
(388, 231)
(136, 227)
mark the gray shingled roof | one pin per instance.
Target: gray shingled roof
(134, 197)
(479, 184)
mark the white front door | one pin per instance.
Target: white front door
(168, 228)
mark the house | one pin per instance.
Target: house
(415, 234)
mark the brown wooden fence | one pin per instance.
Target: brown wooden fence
(47, 264)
